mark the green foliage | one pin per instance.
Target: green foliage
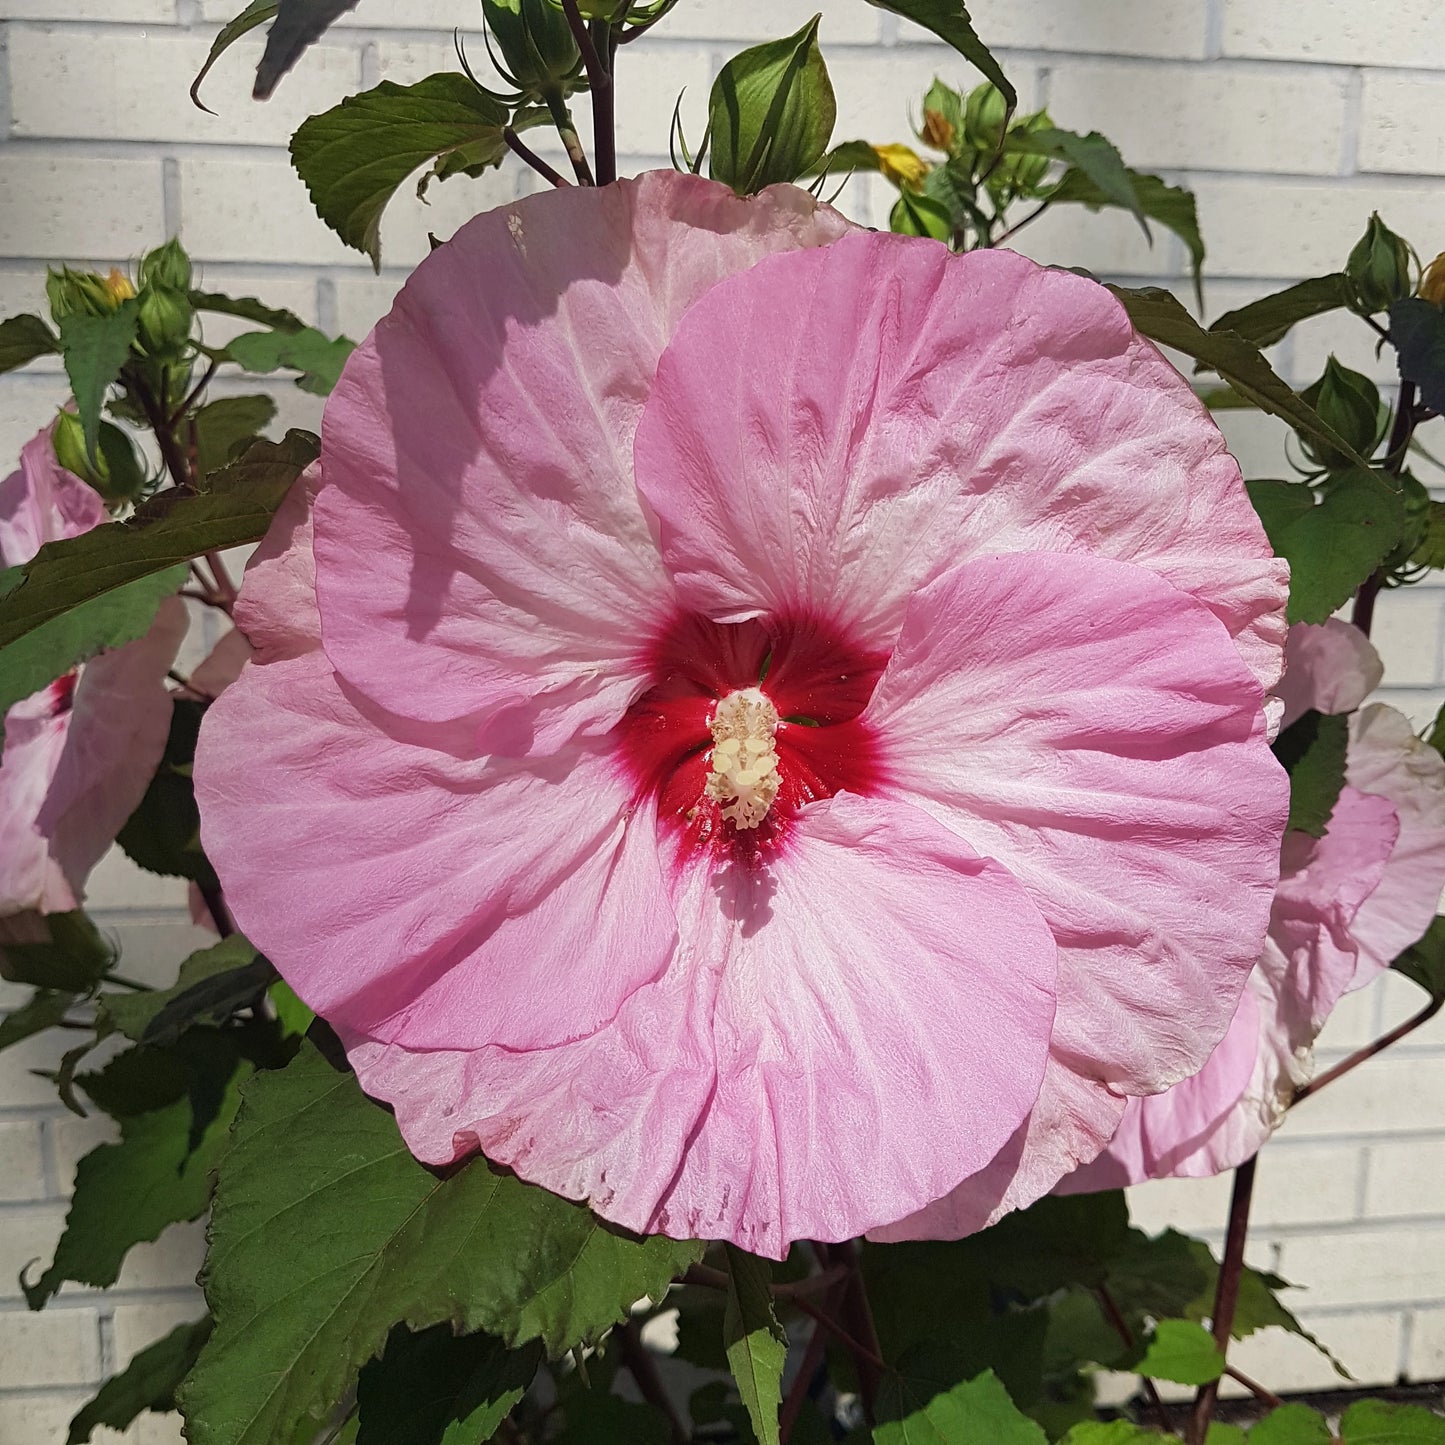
(213, 983)
(148, 1383)
(315, 355)
(1378, 269)
(914, 215)
(298, 24)
(43, 1010)
(755, 1341)
(355, 156)
(771, 113)
(1417, 332)
(1424, 961)
(1429, 550)
(1312, 750)
(1095, 158)
(247, 308)
(95, 348)
(22, 339)
(1292, 1425)
(1377, 1422)
(1182, 1351)
(1271, 318)
(537, 47)
(72, 959)
(114, 471)
(1112, 1432)
(326, 1232)
(1349, 402)
(1333, 537)
(223, 428)
(596, 1418)
(258, 12)
(949, 20)
(974, 1410)
(437, 1388)
(235, 509)
(163, 835)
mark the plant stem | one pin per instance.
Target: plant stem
(216, 907)
(171, 453)
(1116, 1318)
(643, 1369)
(854, 1348)
(1368, 1052)
(1226, 1294)
(1398, 447)
(225, 588)
(1018, 226)
(519, 147)
(129, 983)
(798, 1391)
(567, 129)
(858, 1314)
(191, 395)
(599, 82)
(1259, 1392)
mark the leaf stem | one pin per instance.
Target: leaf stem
(1115, 1316)
(643, 1369)
(599, 82)
(567, 129)
(858, 1314)
(1313, 1086)
(1266, 1396)
(519, 147)
(171, 454)
(1226, 1293)
(194, 392)
(1401, 430)
(854, 1348)
(1018, 226)
(216, 906)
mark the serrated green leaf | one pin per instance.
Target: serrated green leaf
(326, 1232)
(1424, 962)
(949, 20)
(1292, 1425)
(1094, 156)
(1271, 318)
(597, 1418)
(975, 1410)
(95, 348)
(22, 339)
(212, 984)
(43, 1010)
(756, 1343)
(771, 113)
(247, 308)
(73, 958)
(1312, 750)
(148, 1383)
(299, 23)
(224, 427)
(1159, 315)
(171, 528)
(1112, 1432)
(1430, 550)
(1378, 1422)
(437, 1388)
(1221, 1434)
(318, 357)
(914, 215)
(258, 12)
(1182, 1351)
(1417, 332)
(354, 157)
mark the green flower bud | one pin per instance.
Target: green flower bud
(983, 117)
(85, 293)
(168, 266)
(165, 320)
(537, 45)
(1350, 403)
(1378, 268)
(1021, 175)
(116, 472)
(942, 118)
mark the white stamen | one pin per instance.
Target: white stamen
(744, 775)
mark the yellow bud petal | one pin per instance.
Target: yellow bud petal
(1432, 283)
(903, 166)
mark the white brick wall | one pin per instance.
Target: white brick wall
(1292, 121)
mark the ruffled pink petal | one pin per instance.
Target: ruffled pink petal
(1387, 759)
(828, 1050)
(30, 876)
(484, 557)
(276, 611)
(222, 665)
(1331, 667)
(832, 428)
(42, 502)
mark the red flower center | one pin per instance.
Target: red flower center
(816, 679)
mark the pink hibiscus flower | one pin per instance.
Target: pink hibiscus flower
(1347, 905)
(756, 724)
(79, 754)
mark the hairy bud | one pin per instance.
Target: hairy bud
(1378, 268)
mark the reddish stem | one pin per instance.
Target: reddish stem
(1368, 1052)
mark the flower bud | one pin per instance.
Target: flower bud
(903, 166)
(1378, 268)
(168, 266)
(942, 118)
(1350, 403)
(537, 46)
(165, 320)
(984, 114)
(1432, 283)
(85, 293)
(115, 473)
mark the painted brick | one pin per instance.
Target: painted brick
(38, 1419)
(1367, 1344)
(1365, 1266)
(361, 301)
(1410, 647)
(1108, 243)
(1242, 117)
(1355, 1019)
(1418, 704)
(1404, 1179)
(1344, 336)
(135, 1327)
(60, 207)
(381, 14)
(156, 12)
(1393, 1094)
(136, 87)
(1344, 32)
(1427, 1346)
(57, 1347)
(1122, 27)
(22, 1177)
(1399, 1000)
(1398, 124)
(404, 62)
(741, 21)
(74, 1138)
(27, 1238)
(1191, 1205)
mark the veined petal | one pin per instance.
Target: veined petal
(1331, 667)
(41, 502)
(483, 553)
(834, 428)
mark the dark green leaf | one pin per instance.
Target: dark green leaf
(976, 1410)
(298, 24)
(355, 156)
(1182, 1351)
(1424, 962)
(159, 1174)
(95, 349)
(437, 1388)
(225, 426)
(1270, 319)
(1292, 1425)
(247, 308)
(22, 339)
(1159, 315)
(1222, 1434)
(1377, 1422)
(848, 155)
(171, 528)
(915, 215)
(326, 1232)
(1312, 750)
(45, 1009)
(163, 835)
(1092, 155)
(1417, 332)
(949, 20)
(1430, 550)
(258, 12)
(755, 1341)
(771, 113)
(596, 1418)
(1056, 1242)
(73, 959)
(1112, 1432)
(315, 355)
(148, 1383)
(213, 983)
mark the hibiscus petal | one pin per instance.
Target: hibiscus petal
(1331, 667)
(484, 556)
(832, 428)
(42, 502)
(844, 1035)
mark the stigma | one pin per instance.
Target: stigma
(744, 776)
